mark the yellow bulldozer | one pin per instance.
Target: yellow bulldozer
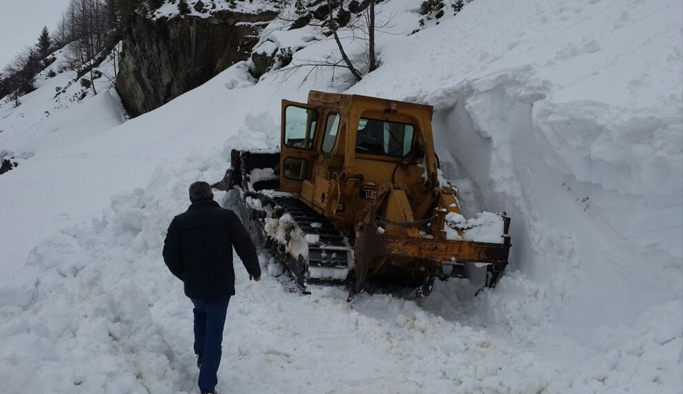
(354, 195)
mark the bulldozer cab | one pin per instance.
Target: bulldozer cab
(337, 148)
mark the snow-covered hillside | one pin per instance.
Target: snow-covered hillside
(566, 114)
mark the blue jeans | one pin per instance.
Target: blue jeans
(209, 320)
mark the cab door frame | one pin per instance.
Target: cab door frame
(309, 155)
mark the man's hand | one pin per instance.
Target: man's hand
(254, 278)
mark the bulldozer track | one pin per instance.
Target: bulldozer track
(327, 260)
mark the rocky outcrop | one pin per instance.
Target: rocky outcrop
(9, 160)
(7, 165)
(165, 58)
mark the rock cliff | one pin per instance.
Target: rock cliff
(164, 58)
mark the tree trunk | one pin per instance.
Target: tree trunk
(333, 27)
(349, 65)
(371, 34)
(92, 78)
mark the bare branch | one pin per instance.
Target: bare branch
(333, 27)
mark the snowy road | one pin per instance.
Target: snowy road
(278, 342)
(108, 317)
(566, 114)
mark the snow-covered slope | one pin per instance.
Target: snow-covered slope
(567, 115)
(59, 114)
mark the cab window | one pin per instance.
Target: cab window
(331, 129)
(300, 124)
(296, 169)
(384, 138)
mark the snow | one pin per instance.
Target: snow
(170, 9)
(312, 239)
(277, 34)
(262, 174)
(607, 142)
(45, 133)
(286, 232)
(486, 227)
(566, 115)
(328, 273)
(253, 203)
(268, 48)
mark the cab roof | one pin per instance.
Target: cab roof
(347, 101)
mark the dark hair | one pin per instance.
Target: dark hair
(200, 191)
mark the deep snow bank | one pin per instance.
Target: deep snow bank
(106, 317)
(568, 117)
(51, 188)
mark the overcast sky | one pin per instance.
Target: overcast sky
(21, 22)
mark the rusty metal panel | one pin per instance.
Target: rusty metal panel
(440, 250)
(307, 190)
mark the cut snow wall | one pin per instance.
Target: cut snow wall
(594, 194)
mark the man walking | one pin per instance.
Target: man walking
(198, 250)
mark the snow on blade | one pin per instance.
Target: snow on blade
(262, 174)
(486, 227)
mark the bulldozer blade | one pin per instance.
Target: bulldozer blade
(225, 184)
(439, 250)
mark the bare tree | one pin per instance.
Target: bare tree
(92, 29)
(61, 35)
(368, 29)
(4, 86)
(334, 27)
(21, 74)
(366, 26)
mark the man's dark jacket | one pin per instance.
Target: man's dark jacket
(198, 250)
